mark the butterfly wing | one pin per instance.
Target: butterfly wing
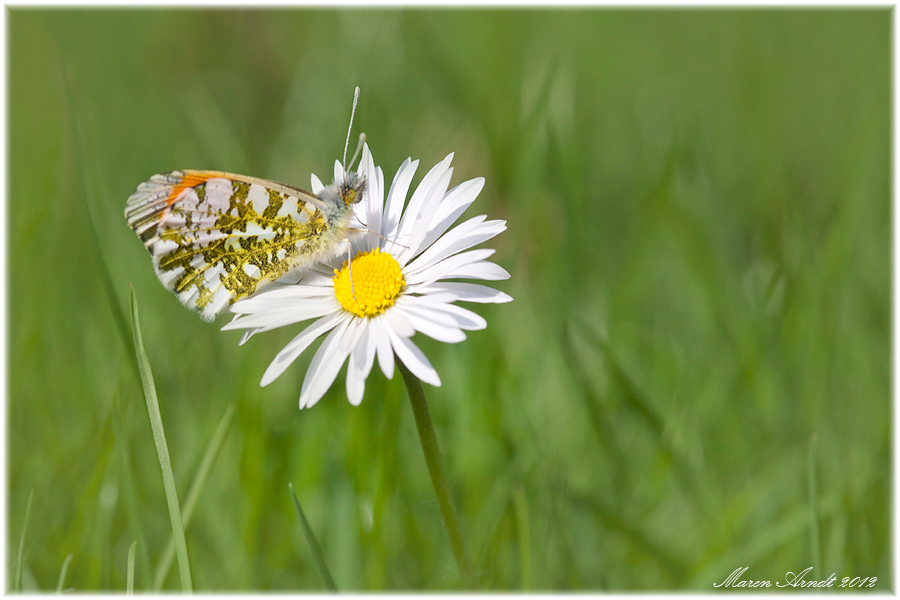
(218, 237)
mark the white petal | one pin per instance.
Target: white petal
(338, 172)
(356, 385)
(462, 237)
(393, 209)
(435, 183)
(247, 335)
(316, 184)
(322, 273)
(465, 292)
(421, 306)
(379, 333)
(297, 345)
(354, 333)
(453, 205)
(433, 329)
(374, 197)
(452, 263)
(479, 270)
(361, 358)
(324, 367)
(414, 360)
(379, 174)
(281, 298)
(365, 351)
(316, 274)
(418, 228)
(360, 241)
(271, 319)
(399, 323)
(463, 317)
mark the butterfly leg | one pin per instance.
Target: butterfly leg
(367, 230)
(305, 273)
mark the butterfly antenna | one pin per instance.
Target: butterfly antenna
(359, 145)
(350, 128)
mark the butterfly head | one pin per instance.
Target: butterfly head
(341, 194)
(353, 187)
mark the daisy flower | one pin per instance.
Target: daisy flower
(402, 259)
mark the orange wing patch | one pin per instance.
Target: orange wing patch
(191, 179)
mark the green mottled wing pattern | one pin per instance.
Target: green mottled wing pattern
(217, 237)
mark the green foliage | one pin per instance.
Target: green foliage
(60, 584)
(699, 241)
(162, 451)
(129, 581)
(314, 548)
(20, 556)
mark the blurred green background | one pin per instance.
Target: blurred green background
(699, 241)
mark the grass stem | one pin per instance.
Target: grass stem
(20, 557)
(313, 543)
(62, 575)
(162, 449)
(129, 583)
(438, 477)
(814, 545)
(127, 486)
(523, 526)
(206, 464)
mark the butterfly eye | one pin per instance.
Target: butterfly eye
(353, 188)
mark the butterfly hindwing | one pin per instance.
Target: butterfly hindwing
(217, 237)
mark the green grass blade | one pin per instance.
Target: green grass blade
(523, 521)
(814, 545)
(127, 485)
(20, 558)
(206, 464)
(673, 564)
(635, 398)
(313, 544)
(129, 585)
(162, 449)
(62, 574)
(599, 415)
(632, 394)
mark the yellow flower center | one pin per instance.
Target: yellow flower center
(377, 281)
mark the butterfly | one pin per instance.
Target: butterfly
(217, 237)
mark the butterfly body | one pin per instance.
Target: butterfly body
(218, 237)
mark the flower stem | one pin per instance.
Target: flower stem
(438, 478)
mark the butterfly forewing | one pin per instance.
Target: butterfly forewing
(217, 237)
